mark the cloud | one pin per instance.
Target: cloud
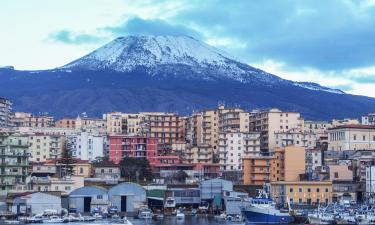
(67, 37)
(329, 35)
(139, 26)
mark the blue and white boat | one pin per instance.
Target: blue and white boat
(262, 210)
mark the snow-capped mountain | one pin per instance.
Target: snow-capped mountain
(170, 74)
(161, 55)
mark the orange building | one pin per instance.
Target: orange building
(283, 164)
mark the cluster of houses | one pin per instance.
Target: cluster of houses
(304, 161)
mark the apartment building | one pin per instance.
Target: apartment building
(88, 124)
(302, 192)
(351, 137)
(86, 146)
(203, 128)
(5, 112)
(233, 146)
(297, 137)
(22, 119)
(121, 146)
(44, 146)
(346, 121)
(233, 119)
(368, 119)
(316, 127)
(14, 154)
(162, 126)
(66, 123)
(282, 164)
(272, 121)
(203, 154)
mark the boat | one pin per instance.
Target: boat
(53, 219)
(145, 213)
(235, 218)
(123, 221)
(262, 210)
(35, 219)
(98, 216)
(180, 215)
(89, 218)
(221, 217)
(321, 217)
(170, 203)
(345, 218)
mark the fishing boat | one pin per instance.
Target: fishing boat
(263, 210)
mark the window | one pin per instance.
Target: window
(326, 189)
(354, 137)
(291, 190)
(308, 190)
(81, 170)
(364, 137)
(336, 174)
(99, 197)
(299, 189)
(317, 190)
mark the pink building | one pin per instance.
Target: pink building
(121, 146)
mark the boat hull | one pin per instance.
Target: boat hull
(253, 217)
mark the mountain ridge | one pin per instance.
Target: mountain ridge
(140, 74)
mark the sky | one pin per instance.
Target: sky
(330, 42)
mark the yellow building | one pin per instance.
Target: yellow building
(302, 192)
(44, 147)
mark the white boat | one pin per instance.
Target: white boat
(221, 217)
(180, 215)
(12, 222)
(53, 219)
(88, 218)
(145, 213)
(321, 218)
(123, 221)
(170, 203)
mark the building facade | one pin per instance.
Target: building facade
(121, 146)
(14, 155)
(44, 147)
(5, 112)
(271, 121)
(233, 146)
(351, 137)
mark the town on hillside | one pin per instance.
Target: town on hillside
(208, 161)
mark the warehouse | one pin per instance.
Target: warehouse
(86, 199)
(127, 197)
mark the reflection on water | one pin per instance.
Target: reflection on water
(166, 221)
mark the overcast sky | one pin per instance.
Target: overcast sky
(331, 42)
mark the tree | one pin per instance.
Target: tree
(181, 176)
(136, 169)
(66, 162)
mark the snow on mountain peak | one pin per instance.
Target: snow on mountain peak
(124, 53)
(179, 56)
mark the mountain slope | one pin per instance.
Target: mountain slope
(168, 73)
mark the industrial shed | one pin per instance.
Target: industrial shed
(215, 188)
(127, 197)
(36, 203)
(85, 199)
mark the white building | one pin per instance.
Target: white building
(233, 146)
(86, 146)
(368, 119)
(296, 137)
(370, 183)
